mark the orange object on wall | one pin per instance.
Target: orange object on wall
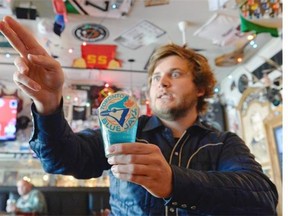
(98, 56)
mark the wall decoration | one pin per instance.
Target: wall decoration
(79, 63)
(99, 8)
(96, 94)
(233, 85)
(278, 136)
(156, 2)
(59, 25)
(10, 177)
(262, 13)
(79, 112)
(255, 132)
(101, 56)
(274, 131)
(243, 83)
(233, 119)
(215, 116)
(91, 32)
(271, 64)
(72, 99)
(261, 16)
(60, 17)
(8, 110)
(222, 29)
(144, 33)
(253, 109)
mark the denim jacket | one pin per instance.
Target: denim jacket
(214, 173)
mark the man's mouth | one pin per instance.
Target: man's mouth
(165, 96)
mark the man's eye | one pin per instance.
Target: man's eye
(175, 74)
(155, 78)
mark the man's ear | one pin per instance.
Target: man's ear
(200, 92)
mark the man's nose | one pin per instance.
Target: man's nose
(164, 82)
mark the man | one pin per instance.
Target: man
(177, 166)
(31, 200)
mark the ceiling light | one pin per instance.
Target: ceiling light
(114, 6)
(250, 37)
(237, 56)
(182, 27)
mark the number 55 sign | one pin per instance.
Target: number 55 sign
(99, 56)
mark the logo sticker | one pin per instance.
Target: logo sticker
(91, 32)
(118, 112)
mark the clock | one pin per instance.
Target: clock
(243, 83)
(91, 32)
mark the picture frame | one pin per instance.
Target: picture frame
(254, 132)
(253, 110)
(278, 136)
(259, 122)
(274, 130)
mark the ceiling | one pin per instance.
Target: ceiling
(195, 14)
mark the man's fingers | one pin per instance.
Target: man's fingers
(131, 159)
(131, 173)
(13, 39)
(25, 36)
(21, 65)
(20, 38)
(133, 148)
(138, 169)
(24, 81)
(45, 61)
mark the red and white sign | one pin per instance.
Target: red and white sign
(99, 56)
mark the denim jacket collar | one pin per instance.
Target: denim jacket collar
(154, 122)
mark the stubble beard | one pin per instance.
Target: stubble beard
(176, 112)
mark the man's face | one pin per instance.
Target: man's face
(23, 188)
(173, 93)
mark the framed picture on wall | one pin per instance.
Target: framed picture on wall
(274, 131)
(278, 136)
(261, 130)
(253, 110)
(10, 177)
(254, 132)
